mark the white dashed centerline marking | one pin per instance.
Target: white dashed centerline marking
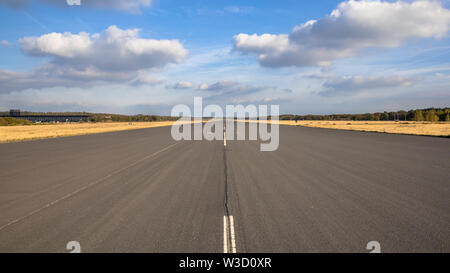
(232, 235)
(229, 236)
(225, 234)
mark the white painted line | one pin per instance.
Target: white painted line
(83, 188)
(232, 235)
(224, 139)
(229, 235)
(225, 235)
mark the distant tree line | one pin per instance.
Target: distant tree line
(101, 117)
(127, 118)
(430, 114)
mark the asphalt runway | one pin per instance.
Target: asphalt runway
(140, 191)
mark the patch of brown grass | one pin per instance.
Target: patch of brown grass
(20, 133)
(391, 127)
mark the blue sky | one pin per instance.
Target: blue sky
(357, 56)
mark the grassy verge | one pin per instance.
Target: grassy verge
(39, 131)
(441, 129)
(8, 121)
(391, 127)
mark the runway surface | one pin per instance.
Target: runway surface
(140, 191)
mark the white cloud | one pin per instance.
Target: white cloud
(144, 78)
(261, 44)
(351, 85)
(203, 86)
(4, 43)
(181, 85)
(351, 27)
(63, 45)
(121, 5)
(73, 2)
(50, 75)
(114, 50)
(115, 56)
(218, 86)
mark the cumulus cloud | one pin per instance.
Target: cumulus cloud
(121, 5)
(83, 59)
(113, 50)
(351, 27)
(262, 44)
(351, 85)
(4, 43)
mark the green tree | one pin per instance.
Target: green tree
(418, 115)
(431, 116)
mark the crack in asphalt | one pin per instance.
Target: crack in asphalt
(226, 206)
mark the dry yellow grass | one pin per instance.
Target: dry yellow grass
(29, 132)
(392, 127)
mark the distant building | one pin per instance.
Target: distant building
(15, 113)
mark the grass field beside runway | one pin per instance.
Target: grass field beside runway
(39, 131)
(392, 127)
